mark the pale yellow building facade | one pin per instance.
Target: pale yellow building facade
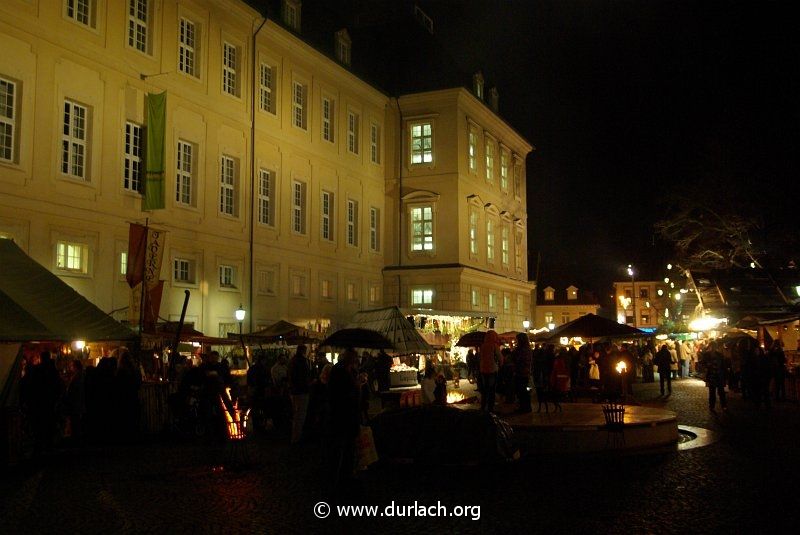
(282, 188)
(557, 306)
(646, 301)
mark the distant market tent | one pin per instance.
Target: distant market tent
(357, 338)
(590, 326)
(279, 331)
(391, 323)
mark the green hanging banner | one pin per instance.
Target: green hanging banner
(154, 185)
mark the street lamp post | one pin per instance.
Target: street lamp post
(526, 324)
(633, 291)
(240, 314)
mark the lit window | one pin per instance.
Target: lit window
(137, 24)
(8, 119)
(504, 245)
(183, 270)
(374, 294)
(72, 257)
(352, 132)
(184, 187)
(227, 186)
(421, 143)
(74, 147)
(422, 297)
(506, 303)
(490, 241)
(520, 303)
(374, 143)
(475, 297)
(549, 294)
(325, 289)
(299, 207)
(132, 174)
(492, 300)
(188, 41)
(81, 11)
(327, 119)
(327, 216)
(473, 232)
(374, 229)
(230, 68)
(265, 196)
(267, 88)
(227, 276)
(123, 263)
(504, 170)
(350, 291)
(472, 151)
(477, 83)
(548, 318)
(352, 222)
(422, 228)
(489, 160)
(299, 112)
(298, 285)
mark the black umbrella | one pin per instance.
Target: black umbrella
(356, 337)
(473, 339)
(591, 326)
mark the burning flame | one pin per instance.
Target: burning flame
(621, 366)
(234, 416)
(454, 397)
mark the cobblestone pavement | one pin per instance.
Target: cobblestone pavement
(746, 482)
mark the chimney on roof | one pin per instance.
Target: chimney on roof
(494, 100)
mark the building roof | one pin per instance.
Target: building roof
(584, 298)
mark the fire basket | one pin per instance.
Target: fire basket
(236, 452)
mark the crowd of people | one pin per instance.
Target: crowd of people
(98, 402)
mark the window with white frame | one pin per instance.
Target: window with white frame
(227, 276)
(227, 186)
(374, 293)
(549, 294)
(291, 14)
(475, 297)
(564, 317)
(352, 222)
(122, 266)
(517, 178)
(350, 291)
(299, 111)
(325, 289)
(343, 46)
(132, 173)
(266, 87)
(421, 143)
(472, 151)
(374, 229)
(422, 228)
(266, 282)
(492, 300)
(352, 132)
(504, 170)
(326, 219)
(74, 140)
(184, 174)
(548, 318)
(183, 270)
(506, 302)
(72, 257)
(518, 249)
(138, 14)
(490, 241)
(328, 115)
(188, 47)
(81, 11)
(298, 284)
(520, 303)
(489, 160)
(473, 232)
(374, 143)
(298, 207)
(504, 245)
(8, 119)
(422, 296)
(230, 69)
(266, 184)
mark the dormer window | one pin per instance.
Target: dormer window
(572, 293)
(477, 84)
(343, 46)
(494, 99)
(291, 14)
(549, 294)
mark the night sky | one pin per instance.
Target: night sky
(629, 103)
